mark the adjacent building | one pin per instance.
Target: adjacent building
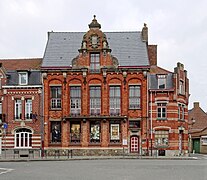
(20, 104)
(197, 129)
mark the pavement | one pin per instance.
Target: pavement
(36, 157)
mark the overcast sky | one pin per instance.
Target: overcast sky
(179, 28)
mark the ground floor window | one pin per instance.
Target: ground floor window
(55, 132)
(114, 132)
(204, 140)
(95, 132)
(161, 137)
(75, 132)
(23, 138)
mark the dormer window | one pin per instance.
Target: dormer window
(161, 81)
(23, 78)
(95, 62)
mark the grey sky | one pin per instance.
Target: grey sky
(179, 28)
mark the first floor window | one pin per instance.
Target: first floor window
(28, 109)
(75, 100)
(55, 131)
(75, 132)
(18, 109)
(95, 100)
(95, 131)
(161, 137)
(115, 132)
(23, 138)
(55, 97)
(161, 111)
(115, 100)
(134, 97)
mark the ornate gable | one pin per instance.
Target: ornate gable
(94, 42)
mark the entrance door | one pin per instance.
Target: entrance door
(134, 144)
(196, 145)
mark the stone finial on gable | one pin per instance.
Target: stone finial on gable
(94, 23)
(145, 33)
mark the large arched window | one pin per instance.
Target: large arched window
(23, 138)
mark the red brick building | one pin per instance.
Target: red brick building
(104, 93)
(20, 103)
(197, 129)
(168, 110)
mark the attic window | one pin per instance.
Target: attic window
(161, 81)
(95, 62)
(23, 78)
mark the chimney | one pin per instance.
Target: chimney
(145, 33)
(152, 54)
(196, 104)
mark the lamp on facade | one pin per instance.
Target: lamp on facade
(124, 75)
(84, 75)
(125, 119)
(64, 119)
(104, 120)
(84, 120)
(104, 69)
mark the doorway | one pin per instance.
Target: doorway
(134, 144)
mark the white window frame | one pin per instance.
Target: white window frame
(18, 109)
(28, 108)
(115, 100)
(181, 112)
(23, 78)
(161, 81)
(161, 107)
(134, 97)
(24, 138)
(56, 100)
(95, 100)
(75, 100)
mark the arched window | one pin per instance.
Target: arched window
(23, 138)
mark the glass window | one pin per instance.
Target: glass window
(161, 81)
(161, 137)
(114, 133)
(95, 132)
(23, 138)
(95, 100)
(161, 111)
(95, 62)
(55, 97)
(23, 78)
(204, 140)
(75, 100)
(181, 112)
(134, 97)
(75, 132)
(55, 131)
(181, 88)
(115, 100)
(18, 109)
(28, 109)
(134, 124)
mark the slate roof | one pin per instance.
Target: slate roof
(127, 47)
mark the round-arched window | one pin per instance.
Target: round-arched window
(23, 138)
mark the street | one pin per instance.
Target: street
(114, 169)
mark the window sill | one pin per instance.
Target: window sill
(55, 109)
(94, 144)
(161, 119)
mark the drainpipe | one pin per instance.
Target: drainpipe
(151, 120)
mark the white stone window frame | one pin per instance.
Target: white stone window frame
(23, 78)
(161, 80)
